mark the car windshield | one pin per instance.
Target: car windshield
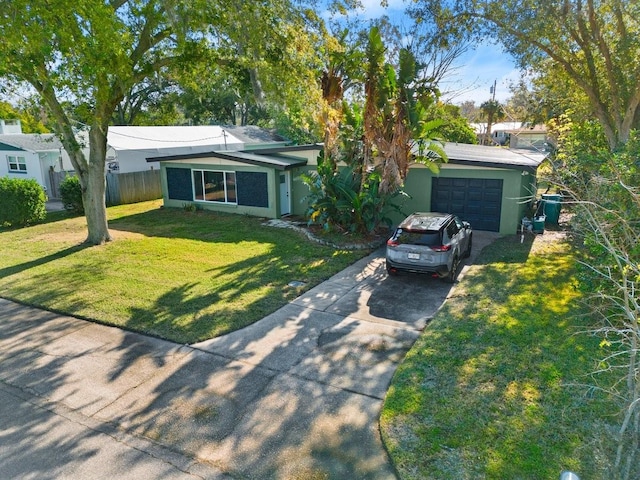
(420, 237)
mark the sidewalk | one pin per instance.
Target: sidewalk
(296, 395)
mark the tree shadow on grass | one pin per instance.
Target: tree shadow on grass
(13, 269)
(496, 364)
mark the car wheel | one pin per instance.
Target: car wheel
(453, 273)
(467, 253)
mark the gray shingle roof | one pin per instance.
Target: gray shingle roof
(489, 156)
(269, 157)
(33, 142)
(251, 134)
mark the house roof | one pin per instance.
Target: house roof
(32, 142)
(267, 157)
(158, 137)
(481, 128)
(489, 156)
(276, 161)
(10, 148)
(250, 134)
(529, 129)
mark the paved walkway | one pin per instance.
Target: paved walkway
(296, 395)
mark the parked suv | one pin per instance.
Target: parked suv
(429, 243)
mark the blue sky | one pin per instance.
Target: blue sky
(474, 73)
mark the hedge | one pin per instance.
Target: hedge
(22, 202)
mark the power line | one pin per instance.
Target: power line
(222, 135)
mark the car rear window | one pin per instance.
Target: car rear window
(421, 237)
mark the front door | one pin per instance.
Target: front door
(285, 197)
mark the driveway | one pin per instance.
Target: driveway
(295, 395)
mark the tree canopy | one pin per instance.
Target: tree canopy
(596, 43)
(85, 57)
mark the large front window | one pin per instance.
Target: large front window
(17, 164)
(210, 186)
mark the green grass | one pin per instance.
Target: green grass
(169, 273)
(494, 387)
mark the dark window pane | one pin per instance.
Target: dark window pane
(214, 186)
(429, 238)
(231, 187)
(197, 185)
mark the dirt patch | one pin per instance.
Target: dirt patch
(77, 237)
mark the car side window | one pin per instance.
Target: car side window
(459, 223)
(452, 229)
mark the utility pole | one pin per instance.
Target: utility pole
(490, 112)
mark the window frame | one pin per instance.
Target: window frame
(18, 162)
(225, 182)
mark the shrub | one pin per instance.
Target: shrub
(71, 195)
(342, 200)
(22, 201)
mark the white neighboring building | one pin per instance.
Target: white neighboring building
(31, 155)
(514, 134)
(499, 131)
(128, 147)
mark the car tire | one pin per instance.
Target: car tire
(467, 253)
(453, 273)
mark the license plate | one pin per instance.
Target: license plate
(413, 256)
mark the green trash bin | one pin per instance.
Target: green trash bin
(552, 205)
(538, 224)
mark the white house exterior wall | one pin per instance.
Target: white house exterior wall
(32, 161)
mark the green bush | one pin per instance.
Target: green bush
(341, 200)
(22, 201)
(71, 195)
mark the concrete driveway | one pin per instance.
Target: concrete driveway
(296, 395)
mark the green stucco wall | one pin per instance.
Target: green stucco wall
(516, 191)
(272, 211)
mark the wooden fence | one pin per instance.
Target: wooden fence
(133, 187)
(122, 188)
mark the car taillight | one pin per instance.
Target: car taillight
(441, 248)
(392, 243)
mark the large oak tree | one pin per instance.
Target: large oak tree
(89, 53)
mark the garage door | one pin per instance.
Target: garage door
(478, 201)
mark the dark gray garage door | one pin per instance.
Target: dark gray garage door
(478, 201)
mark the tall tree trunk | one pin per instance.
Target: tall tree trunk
(93, 182)
(91, 173)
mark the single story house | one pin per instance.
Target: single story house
(128, 147)
(264, 181)
(490, 187)
(514, 135)
(36, 156)
(529, 136)
(499, 131)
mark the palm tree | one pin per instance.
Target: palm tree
(395, 116)
(493, 111)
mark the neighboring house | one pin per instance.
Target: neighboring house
(490, 187)
(263, 182)
(527, 136)
(128, 147)
(37, 156)
(499, 131)
(514, 135)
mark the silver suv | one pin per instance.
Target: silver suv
(429, 243)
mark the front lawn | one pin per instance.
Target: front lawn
(495, 386)
(183, 276)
